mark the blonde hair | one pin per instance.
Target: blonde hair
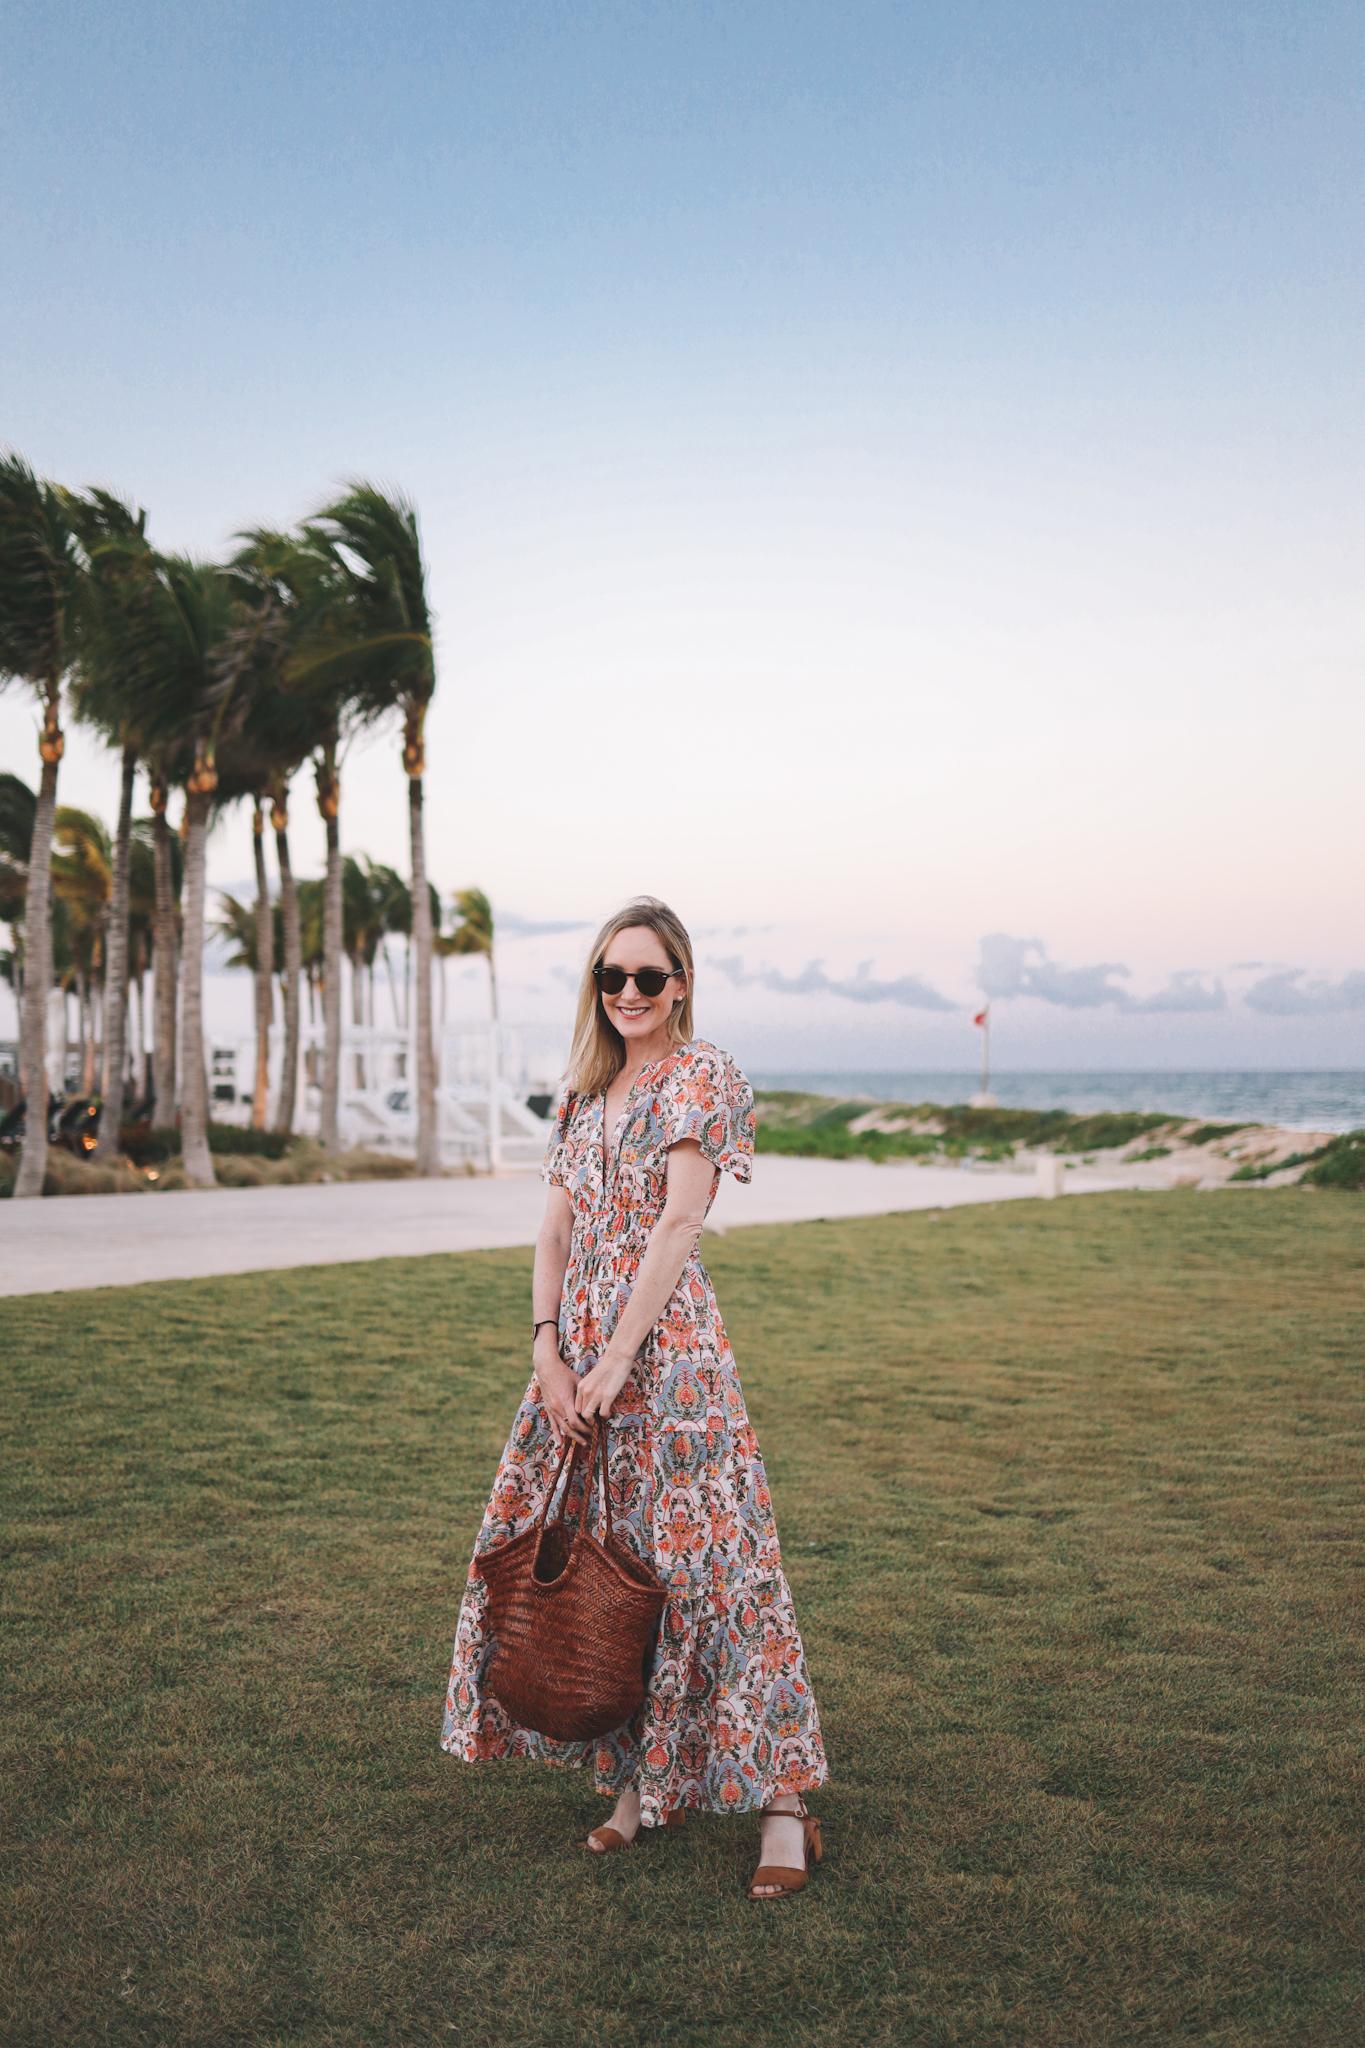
(597, 1053)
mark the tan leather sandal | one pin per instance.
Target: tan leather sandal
(612, 1838)
(787, 1876)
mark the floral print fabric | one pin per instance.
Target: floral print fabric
(730, 1719)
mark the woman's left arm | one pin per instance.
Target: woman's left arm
(671, 1241)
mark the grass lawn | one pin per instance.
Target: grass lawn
(1069, 1498)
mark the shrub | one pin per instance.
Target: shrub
(1107, 1129)
(1340, 1164)
(1209, 1134)
(148, 1146)
(1261, 1169)
(246, 1143)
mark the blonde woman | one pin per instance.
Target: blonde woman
(627, 1327)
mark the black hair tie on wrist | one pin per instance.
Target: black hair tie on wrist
(553, 1321)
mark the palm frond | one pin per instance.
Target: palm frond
(40, 577)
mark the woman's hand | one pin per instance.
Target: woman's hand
(597, 1389)
(557, 1388)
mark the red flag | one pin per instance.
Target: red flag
(981, 1015)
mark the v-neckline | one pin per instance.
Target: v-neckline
(616, 1127)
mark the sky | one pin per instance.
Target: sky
(889, 474)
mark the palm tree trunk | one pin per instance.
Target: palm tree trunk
(428, 1134)
(357, 1019)
(163, 971)
(88, 1029)
(194, 1116)
(82, 1037)
(116, 970)
(293, 960)
(393, 987)
(331, 989)
(265, 974)
(139, 1013)
(37, 978)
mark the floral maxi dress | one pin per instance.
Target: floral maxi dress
(729, 1719)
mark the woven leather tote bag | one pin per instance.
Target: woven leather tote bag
(573, 1616)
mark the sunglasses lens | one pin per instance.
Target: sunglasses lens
(650, 981)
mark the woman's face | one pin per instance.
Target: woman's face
(639, 1018)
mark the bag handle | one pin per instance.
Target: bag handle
(596, 1456)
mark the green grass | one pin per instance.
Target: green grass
(1068, 1495)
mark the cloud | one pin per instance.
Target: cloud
(1022, 967)
(1185, 992)
(864, 987)
(1287, 994)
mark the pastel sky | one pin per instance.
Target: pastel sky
(890, 473)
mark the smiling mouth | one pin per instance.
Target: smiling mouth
(640, 1010)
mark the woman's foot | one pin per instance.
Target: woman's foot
(782, 1839)
(625, 1820)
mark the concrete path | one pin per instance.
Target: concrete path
(116, 1240)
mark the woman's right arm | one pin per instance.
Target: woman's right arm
(557, 1381)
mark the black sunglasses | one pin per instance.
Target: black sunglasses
(650, 981)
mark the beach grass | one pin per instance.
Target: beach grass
(818, 1126)
(1068, 1496)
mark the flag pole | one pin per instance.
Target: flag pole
(982, 1020)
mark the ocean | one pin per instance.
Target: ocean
(1325, 1100)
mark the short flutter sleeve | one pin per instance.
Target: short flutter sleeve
(554, 1166)
(708, 1098)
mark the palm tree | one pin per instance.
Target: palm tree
(291, 955)
(82, 879)
(324, 672)
(472, 932)
(182, 635)
(168, 856)
(393, 907)
(289, 587)
(114, 536)
(360, 929)
(40, 584)
(164, 872)
(311, 892)
(375, 903)
(238, 927)
(374, 540)
(17, 806)
(141, 937)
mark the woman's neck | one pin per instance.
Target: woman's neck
(644, 1055)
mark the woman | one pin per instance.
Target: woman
(627, 1327)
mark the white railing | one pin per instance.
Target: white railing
(483, 1083)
